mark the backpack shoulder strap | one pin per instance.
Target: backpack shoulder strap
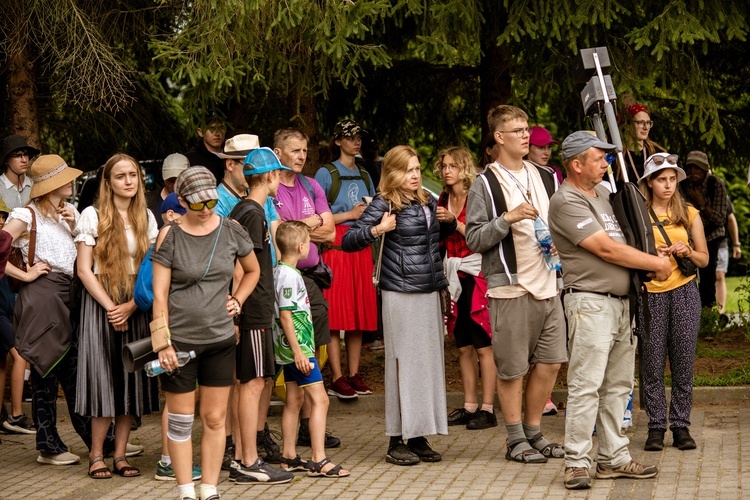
(306, 183)
(499, 207)
(333, 193)
(548, 179)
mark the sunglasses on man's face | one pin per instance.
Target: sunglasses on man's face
(659, 160)
(197, 207)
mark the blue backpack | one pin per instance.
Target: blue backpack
(143, 292)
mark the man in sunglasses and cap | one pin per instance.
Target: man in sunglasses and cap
(15, 184)
(596, 264)
(707, 193)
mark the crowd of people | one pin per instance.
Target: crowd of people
(257, 268)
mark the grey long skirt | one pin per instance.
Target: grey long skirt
(104, 388)
(414, 365)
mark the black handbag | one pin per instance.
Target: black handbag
(685, 265)
(320, 274)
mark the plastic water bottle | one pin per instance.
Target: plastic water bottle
(154, 368)
(544, 238)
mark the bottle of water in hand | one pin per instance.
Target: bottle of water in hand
(544, 238)
(154, 368)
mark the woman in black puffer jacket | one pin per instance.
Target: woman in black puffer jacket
(411, 276)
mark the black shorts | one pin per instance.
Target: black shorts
(255, 355)
(319, 311)
(467, 332)
(213, 366)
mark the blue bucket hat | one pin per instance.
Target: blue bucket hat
(262, 160)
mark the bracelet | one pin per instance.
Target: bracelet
(320, 219)
(239, 304)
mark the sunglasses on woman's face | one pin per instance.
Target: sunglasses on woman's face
(659, 160)
(197, 207)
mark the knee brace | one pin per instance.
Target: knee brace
(179, 427)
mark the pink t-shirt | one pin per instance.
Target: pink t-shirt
(295, 203)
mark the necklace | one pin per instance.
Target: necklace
(527, 193)
(456, 208)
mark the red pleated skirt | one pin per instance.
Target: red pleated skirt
(352, 299)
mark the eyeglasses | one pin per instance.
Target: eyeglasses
(197, 207)
(644, 123)
(449, 166)
(520, 132)
(19, 154)
(659, 160)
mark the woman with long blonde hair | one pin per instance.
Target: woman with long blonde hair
(470, 325)
(113, 236)
(410, 279)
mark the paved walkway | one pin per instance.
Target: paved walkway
(473, 465)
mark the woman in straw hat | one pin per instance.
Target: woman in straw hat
(42, 304)
(113, 236)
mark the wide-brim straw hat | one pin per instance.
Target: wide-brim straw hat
(49, 172)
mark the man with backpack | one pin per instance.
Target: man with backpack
(707, 193)
(301, 198)
(528, 326)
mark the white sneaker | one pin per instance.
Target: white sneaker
(65, 458)
(133, 450)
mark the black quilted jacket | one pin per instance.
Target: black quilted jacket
(411, 257)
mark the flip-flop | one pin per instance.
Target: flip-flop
(94, 474)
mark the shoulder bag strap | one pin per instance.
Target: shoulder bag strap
(659, 224)
(379, 261)
(32, 237)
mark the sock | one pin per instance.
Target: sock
(186, 490)
(515, 433)
(26, 375)
(207, 490)
(166, 460)
(534, 430)
(471, 407)
(394, 441)
(230, 443)
(490, 408)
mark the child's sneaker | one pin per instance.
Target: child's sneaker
(262, 473)
(20, 424)
(359, 386)
(550, 408)
(166, 472)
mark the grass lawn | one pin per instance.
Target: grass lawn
(732, 295)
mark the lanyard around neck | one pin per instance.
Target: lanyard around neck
(525, 193)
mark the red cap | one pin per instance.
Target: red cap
(541, 137)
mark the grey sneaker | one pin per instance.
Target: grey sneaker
(20, 424)
(577, 478)
(262, 473)
(65, 458)
(630, 470)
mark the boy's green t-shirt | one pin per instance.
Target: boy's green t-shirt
(291, 295)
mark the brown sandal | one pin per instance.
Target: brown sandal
(125, 470)
(100, 473)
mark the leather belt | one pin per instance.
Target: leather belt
(606, 294)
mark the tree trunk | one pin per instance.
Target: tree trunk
(303, 113)
(494, 70)
(22, 107)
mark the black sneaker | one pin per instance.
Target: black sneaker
(267, 447)
(226, 463)
(421, 447)
(400, 454)
(460, 416)
(655, 440)
(262, 473)
(482, 419)
(682, 440)
(303, 438)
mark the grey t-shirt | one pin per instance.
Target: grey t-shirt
(198, 311)
(573, 217)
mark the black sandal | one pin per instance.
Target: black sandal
(530, 456)
(295, 464)
(315, 469)
(551, 450)
(125, 469)
(94, 474)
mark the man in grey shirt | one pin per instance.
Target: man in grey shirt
(596, 264)
(15, 184)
